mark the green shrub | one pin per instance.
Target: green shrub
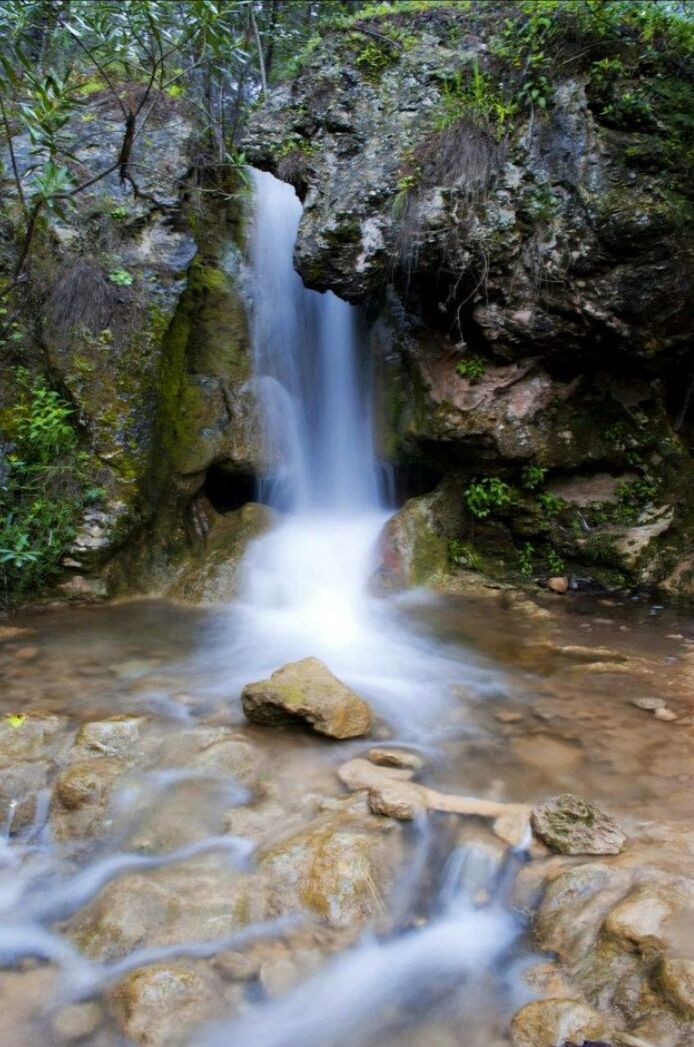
(525, 559)
(483, 497)
(473, 368)
(533, 476)
(43, 487)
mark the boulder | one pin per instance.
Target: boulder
(307, 691)
(546, 1023)
(571, 825)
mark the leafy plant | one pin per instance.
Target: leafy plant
(525, 559)
(483, 497)
(533, 476)
(550, 504)
(472, 368)
(461, 554)
(555, 563)
(121, 277)
(42, 489)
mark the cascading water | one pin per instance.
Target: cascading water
(314, 403)
(305, 585)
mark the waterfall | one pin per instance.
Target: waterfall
(305, 586)
(310, 374)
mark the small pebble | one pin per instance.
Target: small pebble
(665, 714)
(649, 704)
(674, 636)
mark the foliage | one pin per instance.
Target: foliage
(121, 277)
(550, 504)
(486, 496)
(526, 557)
(43, 487)
(472, 93)
(555, 563)
(461, 554)
(472, 368)
(533, 476)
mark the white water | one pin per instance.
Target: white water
(305, 586)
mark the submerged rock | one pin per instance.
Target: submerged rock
(571, 825)
(157, 1005)
(307, 691)
(546, 1023)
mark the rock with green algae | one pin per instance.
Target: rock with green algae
(571, 825)
(307, 691)
(415, 541)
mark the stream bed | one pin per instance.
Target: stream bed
(166, 865)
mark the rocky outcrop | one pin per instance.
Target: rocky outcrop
(307, 692)
(527, 268)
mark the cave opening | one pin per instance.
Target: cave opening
(227, 490)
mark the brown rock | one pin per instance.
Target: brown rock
(402, 758)
(545, 1023)
(156, 1006)
(640, 919)
(665, 714)
(307, 691)
(558, 585)
(571, 825)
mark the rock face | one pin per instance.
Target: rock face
(307, 691)
(531, 287)
(570, 825)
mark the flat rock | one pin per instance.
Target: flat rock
(571, 825)
(403, 758)
(307, 691)
(651, 705)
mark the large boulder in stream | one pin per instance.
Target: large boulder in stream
(307, 691)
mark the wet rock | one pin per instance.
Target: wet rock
(559, 584)
(307, 691)
(571, 825)
(339, 868)
(212, 575)
(642, 920)
(159, 1005)
(649, 704)
(665, 714)
(81, 796)
(399, 800)
(545, 1023)
(390, 792)
(198, 900)
(673, 977)
(77, 1021)
(118, 736)
(402, 758)
(414, 542)
(574, 906)
(20, 786)
(29, 736)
